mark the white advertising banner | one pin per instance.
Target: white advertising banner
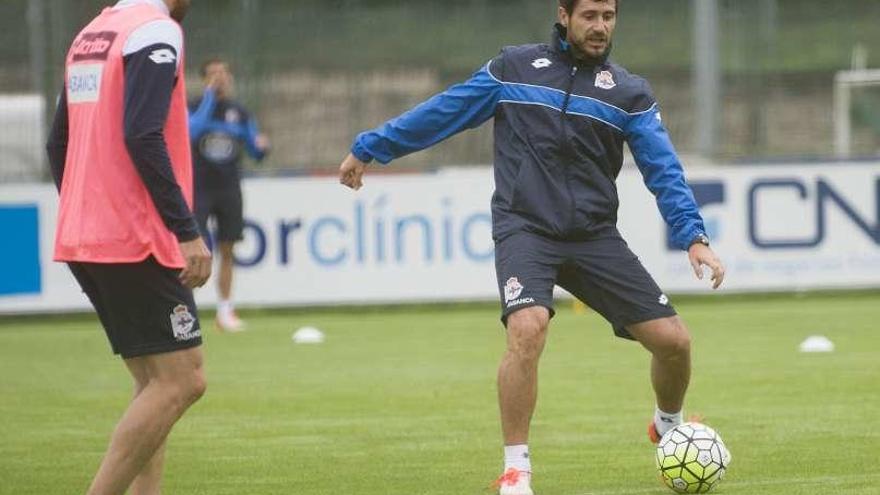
(427, 237)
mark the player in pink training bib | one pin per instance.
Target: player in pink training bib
(120, 156)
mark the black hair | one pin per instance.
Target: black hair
(203, 69)
(569, 5)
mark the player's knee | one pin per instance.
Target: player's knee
(196, 387)
(527, 348)
(677, 344)
(527, 331)
(186, 388)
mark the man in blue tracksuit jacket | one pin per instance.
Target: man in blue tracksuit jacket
(222, 131)
(562, 114)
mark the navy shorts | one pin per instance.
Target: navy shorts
(603, 273)
(144, 307)
(225, 205)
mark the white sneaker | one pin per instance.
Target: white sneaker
(229, 322)
(514, 482)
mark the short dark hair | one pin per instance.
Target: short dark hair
(569, 5)
(203, 69)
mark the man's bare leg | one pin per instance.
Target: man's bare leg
(227, 320)
(227, 261)
(518, 373)
(149, 480)
(176, 381)
(669, 342)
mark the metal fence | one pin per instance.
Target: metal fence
(316, 72)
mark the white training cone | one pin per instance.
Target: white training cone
(817, 343)
(308, 335)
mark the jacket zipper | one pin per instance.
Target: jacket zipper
(566, 144)
(574, 71)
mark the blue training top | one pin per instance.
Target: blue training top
(560, 127)
(221, 131)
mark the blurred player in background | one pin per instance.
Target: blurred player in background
(562, 114)
(119, 150)
(221, 131)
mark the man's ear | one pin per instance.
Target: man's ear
(562, 16)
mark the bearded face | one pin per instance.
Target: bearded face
(590, 27)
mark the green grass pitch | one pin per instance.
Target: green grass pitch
(402, 401)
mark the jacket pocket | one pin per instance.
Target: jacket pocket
(541, 197)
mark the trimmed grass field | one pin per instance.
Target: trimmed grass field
(402, 401)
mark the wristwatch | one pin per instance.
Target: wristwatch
(701, 239)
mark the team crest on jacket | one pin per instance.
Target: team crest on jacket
(605, 80)
(512, 289)
(232, 116)
(182, 323)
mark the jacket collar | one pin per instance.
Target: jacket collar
(563, 47)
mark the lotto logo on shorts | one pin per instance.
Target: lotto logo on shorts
(182, 323)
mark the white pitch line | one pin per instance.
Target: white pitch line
(788, 481)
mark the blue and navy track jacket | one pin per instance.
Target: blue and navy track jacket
(560, 126)
(221, 130)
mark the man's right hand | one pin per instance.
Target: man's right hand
(351, 172)
(198, 263)
(212, 82)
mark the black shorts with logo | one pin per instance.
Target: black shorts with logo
(603, 273)
(144, 307)
(225, 205)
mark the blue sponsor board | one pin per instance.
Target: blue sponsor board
(20, 253)
(814, 198)
(371, 235)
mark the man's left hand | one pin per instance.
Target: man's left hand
(702, 255)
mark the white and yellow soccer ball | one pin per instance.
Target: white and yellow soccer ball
(692, 458)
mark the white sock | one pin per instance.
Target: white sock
(224, 308)
(666, 421)
(517, 456)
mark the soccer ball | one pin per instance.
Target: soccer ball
(692, 458)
